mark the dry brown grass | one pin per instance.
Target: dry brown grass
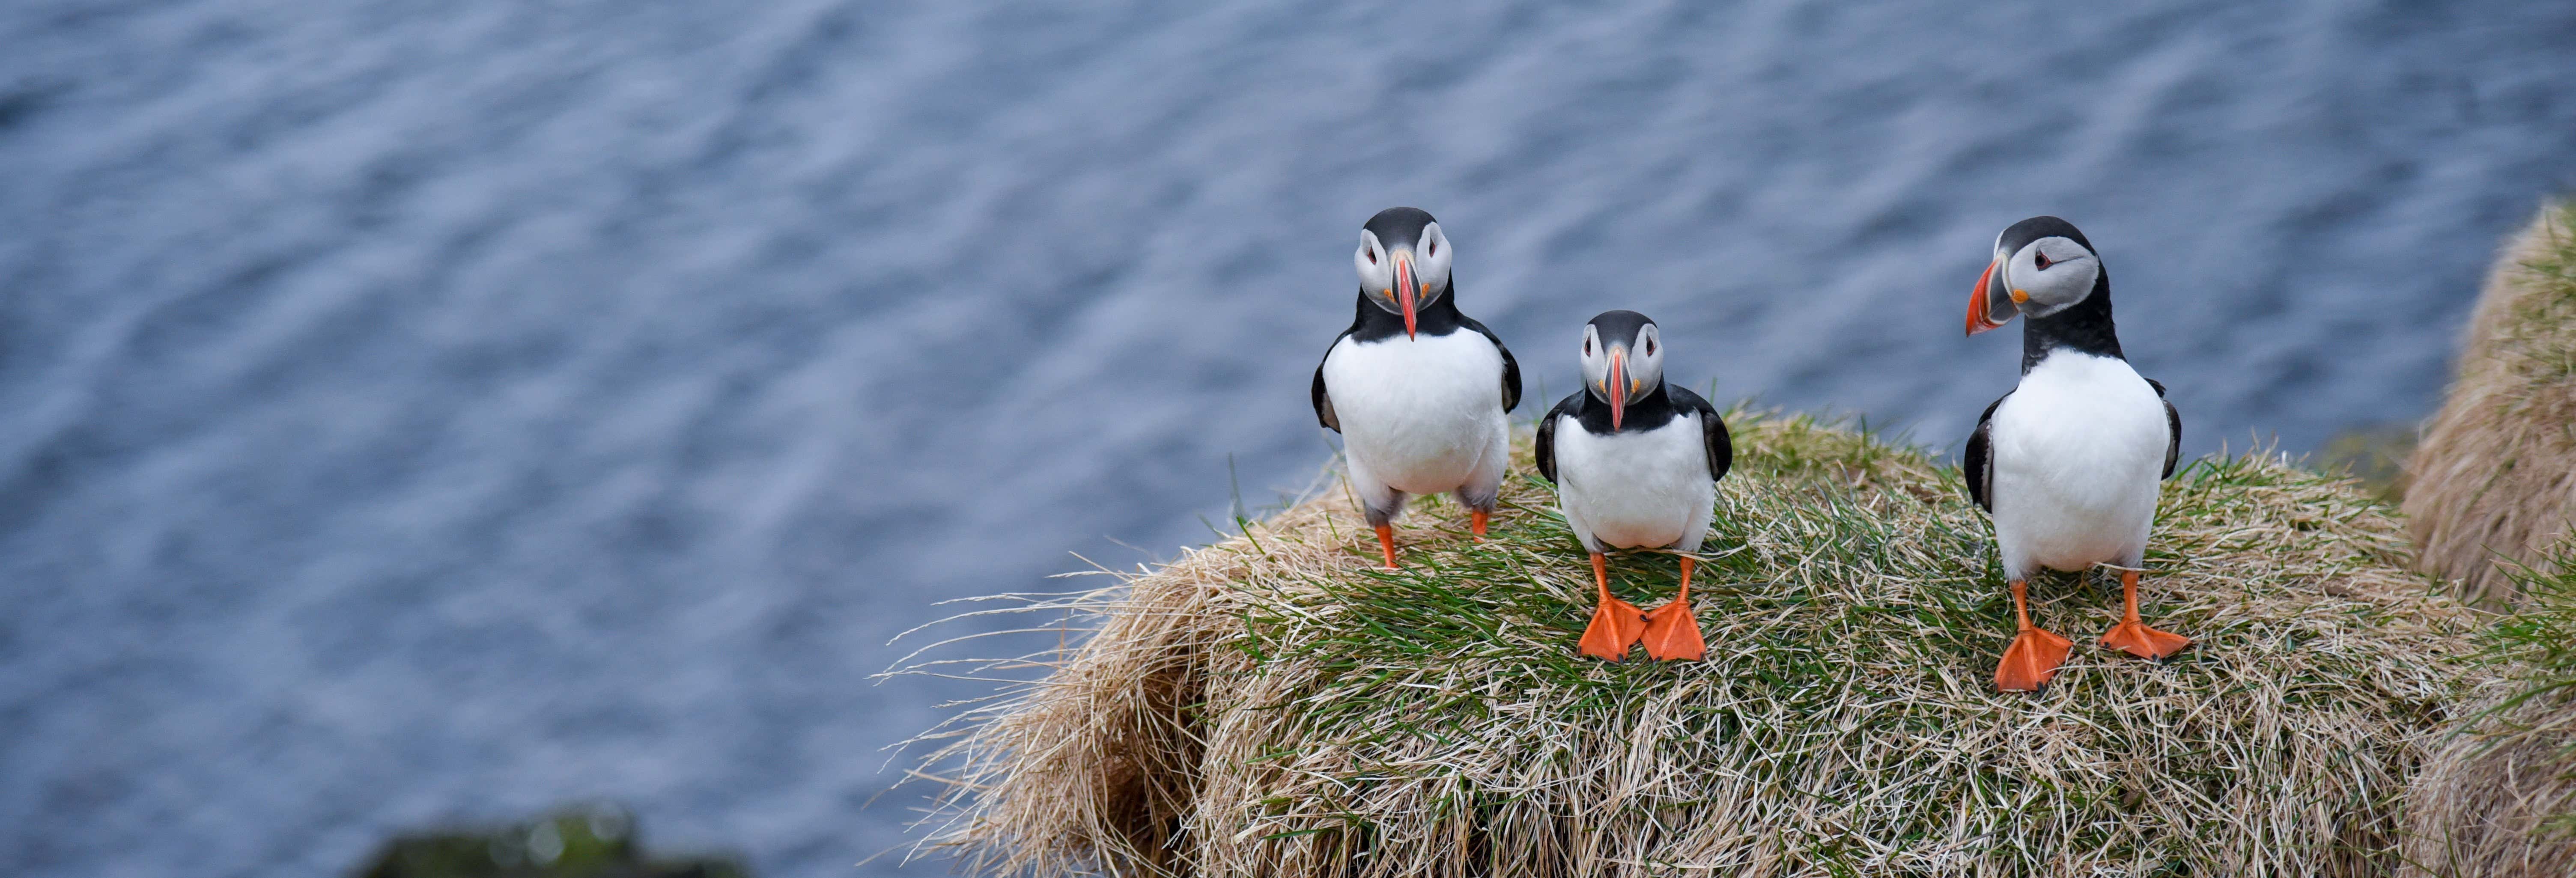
(2498, 800)
(1271, 705)
(2494, 803)
(2495, 476)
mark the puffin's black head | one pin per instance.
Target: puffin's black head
(1623, 356)
(2042, 265)
(1403, 261)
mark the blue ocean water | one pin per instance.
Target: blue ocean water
(436, 410)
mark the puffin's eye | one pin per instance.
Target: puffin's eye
(1587, 346)
(1372, 255)
(2042, 260)
(1433, 249)
(1650, 347)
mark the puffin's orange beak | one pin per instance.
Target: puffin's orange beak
(1406, 289)
(1980, 303)
(1618, 381)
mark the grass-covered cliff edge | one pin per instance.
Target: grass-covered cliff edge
(2492, 486)
(2492, 495)
(1274, 705)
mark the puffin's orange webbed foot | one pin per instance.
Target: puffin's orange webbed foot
(1476, 523)
(1616, 624)
(1672, 633)
(2135, 638)
(1386, 543)
(2031, 661)
(2132, 635)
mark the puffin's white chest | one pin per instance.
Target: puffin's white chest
(1636, 489)
(2078, 450)
(1418, 413)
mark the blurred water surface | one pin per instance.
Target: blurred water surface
(423, 410)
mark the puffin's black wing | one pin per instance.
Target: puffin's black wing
(2173, 421)
(1544, 454)
(1980, 457)
(1721, 447)
(1511, 367)
(1323, 402)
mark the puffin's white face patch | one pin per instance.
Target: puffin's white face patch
(1431, 263)
(2050, 274)
(1377, 271)
(1596, 361)
(1646, 358)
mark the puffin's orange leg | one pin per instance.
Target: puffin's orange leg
(1386, 543)
(1671, 631)
(1616, 624)
(1476, 522)
(2034, 655)
(2132, 635)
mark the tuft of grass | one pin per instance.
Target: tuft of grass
(2499, 798)
(2493, 483)
(2539, 640)
(1273, 705)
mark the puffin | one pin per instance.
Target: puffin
(2067, 464)
(1418, 390)
(1635, 460)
